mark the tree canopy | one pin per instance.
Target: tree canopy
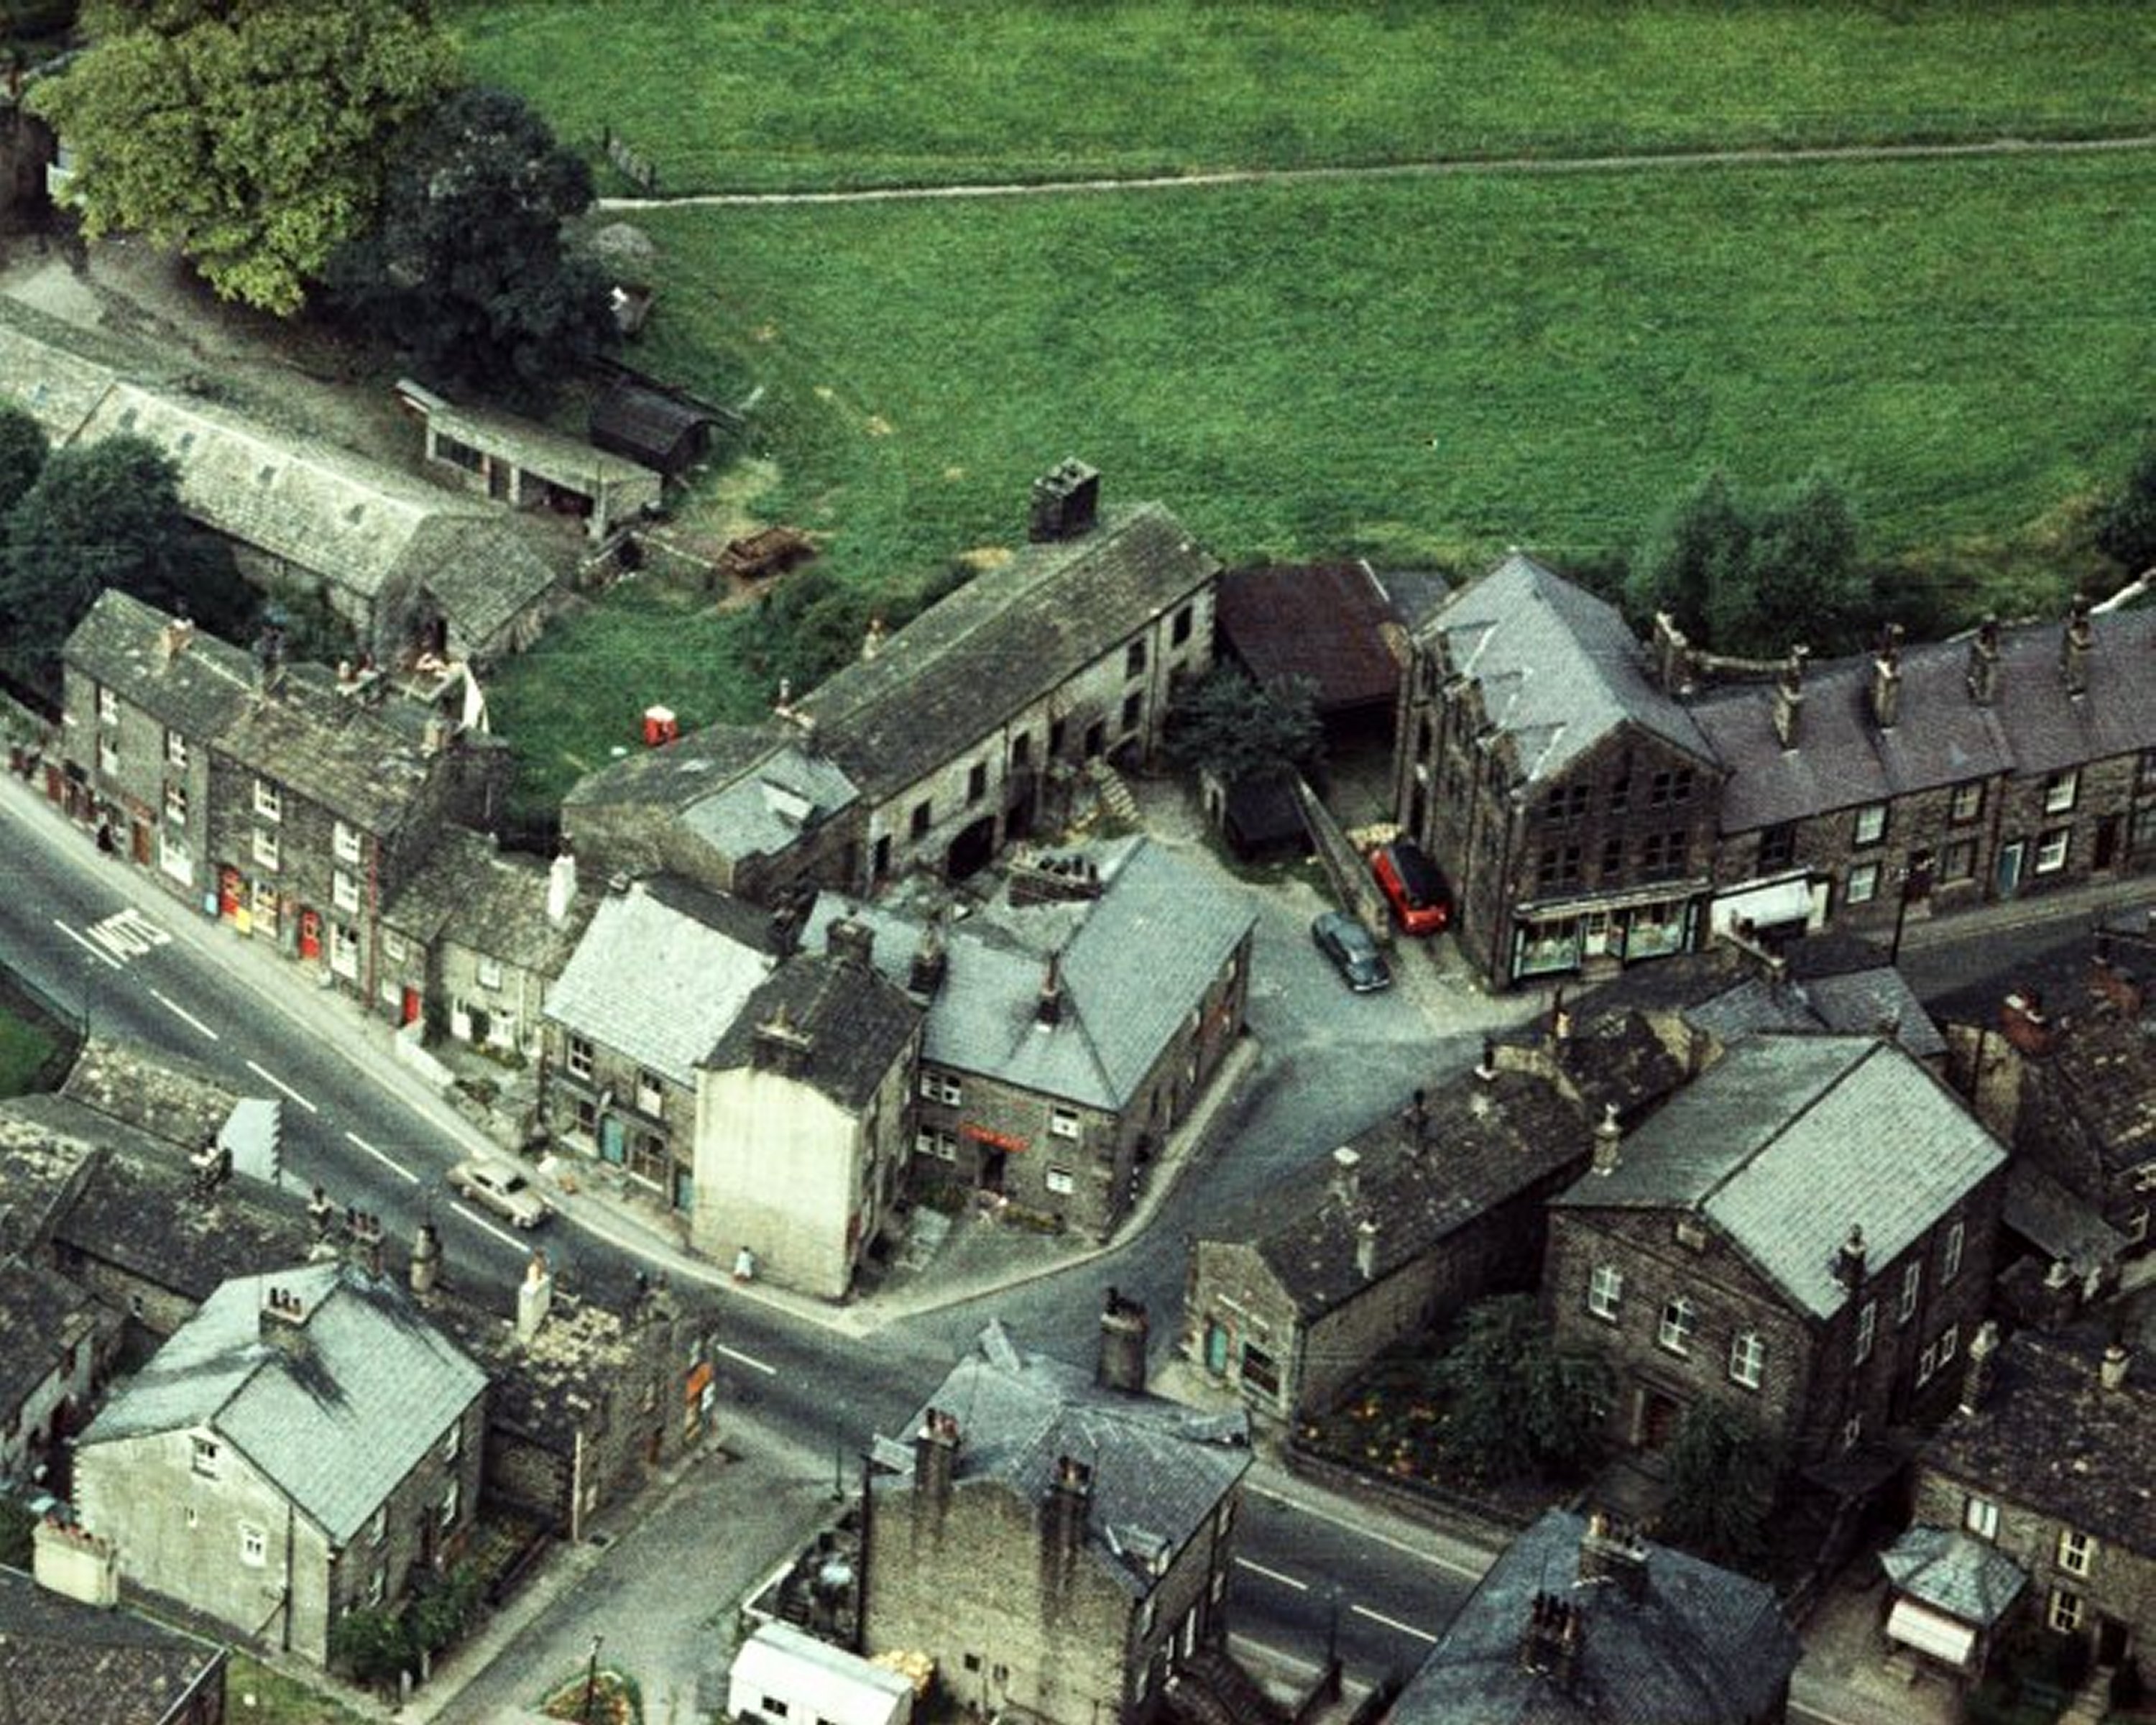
(466, 272)
(251, 136)
(1514, 1401)
(1722, 1474)
(2126, 526)
(1752, 574)
(22, 451)
(1227, 725)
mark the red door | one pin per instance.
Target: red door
(227, 893)
(412, 1006)
(310, 934)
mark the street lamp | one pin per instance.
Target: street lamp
(591, 1680)
(1915, 883)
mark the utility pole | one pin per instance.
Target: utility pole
(591, 1681)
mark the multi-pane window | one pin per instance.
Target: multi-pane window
(1778, 845)
(268, 800)
(2077, 1550)
(1957, 1235)
(2064, 1612)
(1968, 802)
(1059, 1181)
(1867, 1330)
(1958, 860)
(1748, 1357)
(108, 707)
(1912, 1281)
(108, 757)
(176, 804)
(942, 1088)
(1980, 1516)
(1557, 868)
(1567, 802)
(377, 1529)
(205, 1457)
(1869, 825)
(1679, 1318)
(1942, 1350)
(1605, 1291)
(942, 1146)
(650, 1092)
(347, 843)
(1862, 885)
(1670, 785)
(450, 1499)
(1063, 1123)
(2060, 788)
(344, 891)
(176, 749)
(254, 1544)
(580, 1056)
(265, 849)
(378, 1588)
(453, 1443)
(1661, 855)
(2052, 849)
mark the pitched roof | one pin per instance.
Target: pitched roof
(1159, 1469)
(856, 1021)
(1753, 1143)
(120, 642)
(493, 901)
(2101, 1069)
(1328, 621)
(335, 1421)
(1480, 1144)
(1120, 1009)
(2049, 1436)
(679, 775)
(57, 370)
(661, 973)
(1948, 1570)
(61, 1658)
(761, 812)
(43, 1315)
(1942, 737)
(1701, 1645)
(1558, 668)
(1001, 643)
(166, 1096)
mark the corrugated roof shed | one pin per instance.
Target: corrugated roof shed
(1326, 621)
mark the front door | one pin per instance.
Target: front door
(1216, 1349)
(412, 1009)
(310, 934)
(1658, 1419)
(139, 841)
(610, 1144)
(2110, 1642)
(2011, 854)
(2107, 842)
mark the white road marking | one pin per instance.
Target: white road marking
(487, 1227)
(129, 933)
(1422, 1553)
(393, 1166)
(743, 1359)
(270, 1077)
(1392, 1623)
(182, 1013)
(88, 946)
(1300, 1587)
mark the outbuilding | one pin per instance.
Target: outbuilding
(785, 1673)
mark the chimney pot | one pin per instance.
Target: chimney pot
(1608, 1141)
(1982, 676)
(2113, 1372)
(1048, 1011)
(1849, 1260)
(1122, 1363)
(1366, 1232)
(1789, 697)
(1346, 1175)
(2022, 1022)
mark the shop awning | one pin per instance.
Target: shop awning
(1940, 1637)
(1765, 906)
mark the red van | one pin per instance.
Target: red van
(1412, 886)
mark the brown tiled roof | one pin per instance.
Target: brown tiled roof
(1328, 621)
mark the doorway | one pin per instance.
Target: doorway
(993, 1162)
(1658, 1419)
(2107, 842)
(971, 850)
(2007, 879)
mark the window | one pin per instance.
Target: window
(377, 1528)
(176, 804)
(265, 849)
(1867, 1330)
(1852, 1431)
(1661, 855)
(344, 892)
(268, 800)
(976, 782)
(650, 1092)
(1063, 1123)
(347, 843)
(108, 707)
(453, 1442)
(1870, 824)
(1956, 1233)
(489, 973)
(1613, 858)
(1679, 1317)
(1942, 1351)
(1557, 868)
(1567, 802)
(205, 1459)
(1605, 1291)
(1134, 659)
(923, 814)
(108, 756)
(1021, 750)
(2052, 849)
(942, 1146)
(1777, 846)
(2137, 1224)
(2065, 1613)
(450, 1499)
(942, 1088)
(1060, 1181)
(579, 1058)
(378, 1588)
(2077, 1551)
(254, 1545)
(1179, 631)
(1747, 1359)
(1912, 1283)
(1621, 788)
(1980, 1516)
(1958, 860)
(344, 949)
(1259, 1371)
(1673, 784)
(176, 749)
(1863, 884)
(1967, 803)
(1057, 731)
(2060, 788)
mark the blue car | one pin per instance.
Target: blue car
(1353, 953)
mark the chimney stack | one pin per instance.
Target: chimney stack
(1366, 1248)
(1486, 1069)
(1982, 676)
(282, 1322)
(426, 1266)
(2074, 645)
(2022, 1022)
(534, 1298)
(1560, 1022)
(2112, 1373)
(1614, 1556)
(1849, 1260)
(1672, 656)
(1789, 697)
(1976, 1373)
(1063, 1529)
(1346, 1176)
(1551, 1641)
(560, 887)
(935, 1459)
(1066, 502)
(176, 637)
(925, 975)
(1608, 1141)
(321, 1213)
(1048, 1011)
(780, 1045)
(1122, 1364)
(849, 942)
(75, 1563)
(1886, 679)
(366, 1230)
(872, 642)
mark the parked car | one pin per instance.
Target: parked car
(502, 1189)
(1412, 887)
(1353, 953)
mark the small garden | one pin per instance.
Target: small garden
(257, 1695)
(604, 1696)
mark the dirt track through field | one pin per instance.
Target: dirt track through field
(1761, 156)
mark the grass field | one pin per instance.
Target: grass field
(774, 93)
(24, 1049)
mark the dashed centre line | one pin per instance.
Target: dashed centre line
(1300, 1587)
(89, 946)
(487, 1227)
(744, 1359)
(182, 1015)
(1392, 1623)
(383, 1157)
(267, 1076)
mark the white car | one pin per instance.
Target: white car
(502, 1189)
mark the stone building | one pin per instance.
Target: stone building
(1074, 1021)
(2044, 1465)
(1058, 1542)
(303, 1446)
(971, 727)
(804, 1119)
(662, 971)
(57, 1342)
(1569, 799)
(290, 802)
(1805, 1236)
(1581, 1623)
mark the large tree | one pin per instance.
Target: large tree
(1723, 1470)
(23, 448)
(251, 136)
(1227, 725)
(2126, 525)
(1517, 1402)
(466, 271)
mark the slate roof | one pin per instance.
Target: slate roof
(1701, 1646)
(1481, 1144)
(166, 1095)
(660, 973)
(1788, 1141)
(2102, 1069)
(335, 1423)
(493, 901)
(2060, 1223)
(858, 1023)
(484, 571)
(537, 447)
(196, 691)
(42, 1315)
(1328, 621)
(647, 425)
(1943, 736)
(1558, 668)
(57, 370)
(2049, 1437)
(1160, 1469)
(679, 775)
(1133, 962)
(1950, 1571)
(761, 812)
(61, 1658)
(1002, 642)
(365, 764)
